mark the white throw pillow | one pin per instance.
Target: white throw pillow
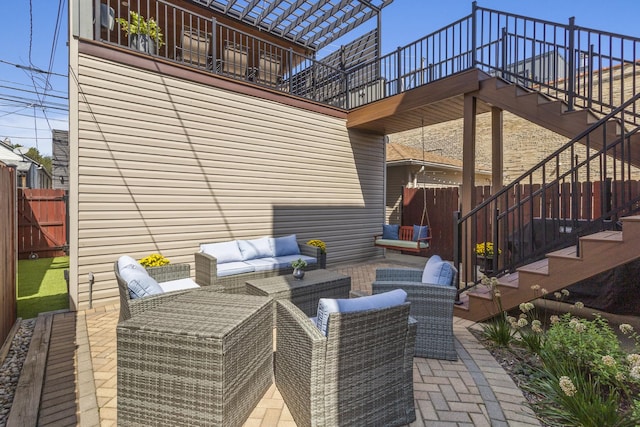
(255, 248)
(223, 251)
(327, 306)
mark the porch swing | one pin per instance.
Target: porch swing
(409, 238)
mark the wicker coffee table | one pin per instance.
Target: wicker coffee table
(306, 292)
(203, 359)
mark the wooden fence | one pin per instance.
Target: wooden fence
(8, 265)
(441, 203)
(42, 223)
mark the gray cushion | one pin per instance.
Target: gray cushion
(178, 285)
(140, 283)
(255, 248)
(223, 251)
(263, 264)
(438, 272)
(327, 306)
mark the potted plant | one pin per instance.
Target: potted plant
(322, 261)
(485, 251)
(298, 268)
(143, 34)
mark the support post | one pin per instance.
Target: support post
(468, 176)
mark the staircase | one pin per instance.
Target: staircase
(599, 252)
(554, 114)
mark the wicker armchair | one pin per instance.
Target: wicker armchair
(360, 374)
(130, 307)
(431, 306)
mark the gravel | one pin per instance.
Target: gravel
(12, 366)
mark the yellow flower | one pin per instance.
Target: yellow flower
(486, 249)
(319, 244)
(154, 260)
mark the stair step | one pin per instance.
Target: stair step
(609, 235)
(538, 267)
(570, 252)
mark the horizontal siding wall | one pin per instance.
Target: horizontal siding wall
(166, 164)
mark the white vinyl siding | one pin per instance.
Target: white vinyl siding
(165, 164)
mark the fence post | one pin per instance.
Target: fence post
(572, 65)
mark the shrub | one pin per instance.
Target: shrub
(154, 260)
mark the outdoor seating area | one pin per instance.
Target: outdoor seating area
(164, 349)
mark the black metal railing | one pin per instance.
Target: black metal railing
(583, 187)
(185, 37)
(579, 65)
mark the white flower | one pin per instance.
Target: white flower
(522, 307)
(633, 359)
(635, 372)
(536, 323)
(536, 328)
(544, 291)
(626, 328)
(579, 305)
(522, 323)
(567, 386)
(564, 292)
(554, 319)
(497, 293)
(580, 327)
(535, 287)
(608, 360)
(558, 295)
(529, 306)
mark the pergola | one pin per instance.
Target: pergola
(312, 24)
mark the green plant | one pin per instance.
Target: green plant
(498, 330)
(138, 25)
(299, 263)
(319, 244)
(154, 260)
(485, 249)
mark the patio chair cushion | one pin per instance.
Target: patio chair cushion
(327, 306)
(391, 231)
(255, 248)
(127, 261)
(140, 284)
(438, 272)
(286, 260)
(223, 251)
(236, 267)
(285, 245)
(178, 285)
(420, 232)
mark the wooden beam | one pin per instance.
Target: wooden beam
(468, 176)
(497, 150)
(461, 83)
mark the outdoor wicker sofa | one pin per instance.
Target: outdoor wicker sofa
(266, 264)
(360, 374)
(431, 306)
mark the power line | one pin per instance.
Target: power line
(32, 91)
(30, 68)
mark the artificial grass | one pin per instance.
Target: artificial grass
(41, 286)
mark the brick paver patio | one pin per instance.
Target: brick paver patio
(474, 391)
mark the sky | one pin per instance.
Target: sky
(34, 57)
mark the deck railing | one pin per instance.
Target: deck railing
(201, 42)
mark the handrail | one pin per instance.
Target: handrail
(537, 213)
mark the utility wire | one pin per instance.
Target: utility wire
(30, 68)
(32, 91)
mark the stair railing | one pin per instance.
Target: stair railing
(583, 187)
(584, 67)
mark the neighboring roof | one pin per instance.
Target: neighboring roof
(309, 23)
(8, 157)
(400, 153)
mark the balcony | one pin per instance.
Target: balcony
(198, 38)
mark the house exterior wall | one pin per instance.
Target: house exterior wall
(163, 164)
